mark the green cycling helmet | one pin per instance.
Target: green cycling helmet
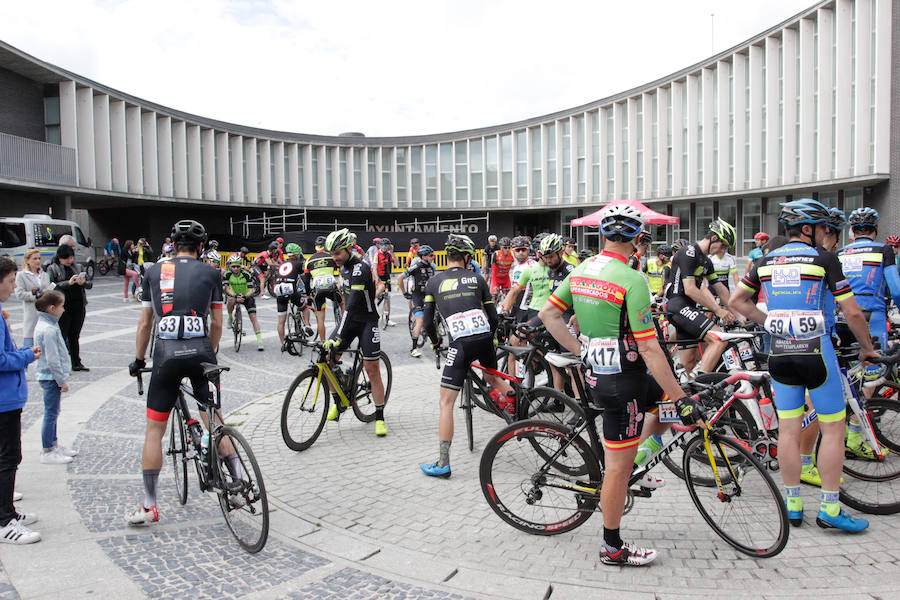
(725, 232)
(292, 249)
(551, 243)
(338, 240)
(459, 243)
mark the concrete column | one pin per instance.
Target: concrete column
(391, 199)
(588, 158)
(677, 140)
(236, 192)
(265, 171)
(323, 199)
(102, 149)
(756, 120)
(118, 151)
(723, 107)
(294, 182)
(789, 140)
(149, 153)
(708, 107)
(662, 124)
(68, 115)
(208, 157)
(647, 101)
(882, 59)
(223, 167)
(336, 178)
(619, 117)
(304, 158)
(693, 119)
(164, 156)
(807, 115)
(863, 116)
(279, 172)
(772, 125)
(543, 166)
(251, 174)
(84, 106)
(195, 174)
(843, 110)
(378, 200)
(825, 142)
(182, 156)
(135, 149)
(631, 107)
(351, 179)
(739, 68)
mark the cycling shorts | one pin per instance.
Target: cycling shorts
(690, 322)
(817, 372)
(322, 295)
(173, 360)
(368, 333)
(298, 299)
(418, 304)
(462, 353)
(257, 271)
(249, 303)
(386, 280)
(500, 282)
(624, 398)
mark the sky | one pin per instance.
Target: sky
(386, 68)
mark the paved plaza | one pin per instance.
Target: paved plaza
(353, 516)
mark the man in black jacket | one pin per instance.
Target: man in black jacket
(71, 280)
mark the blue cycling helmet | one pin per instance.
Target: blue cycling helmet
(836, 218)
(803, 212)
(425, 250)
(864, 217)
(621, 222)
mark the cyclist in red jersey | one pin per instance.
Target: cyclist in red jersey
(501, 265)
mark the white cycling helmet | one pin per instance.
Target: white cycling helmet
(621, 222)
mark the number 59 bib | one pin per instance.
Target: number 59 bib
(796, 324)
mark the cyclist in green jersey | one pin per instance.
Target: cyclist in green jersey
(240, 286)
(618, 344)
(322, 278)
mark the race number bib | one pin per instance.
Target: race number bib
(602, 355)
(470, 322)
(852, 263)
(732, 362)
(796, 324)
(285, 288)
(323, 282)
(668, 413)
(183, 328)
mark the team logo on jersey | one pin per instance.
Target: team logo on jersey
(448, 285)
(285, 269)
(597, 288)
(631, 356)
(786, 276)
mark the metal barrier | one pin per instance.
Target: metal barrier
(440, 259)
(22, 158)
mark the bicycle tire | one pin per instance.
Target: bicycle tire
(152, 340)
(103, 268)
(465, 402)
(237, 327)
(249, 523)
(297, 431)
(516, 491)
(338, 313)
(178, 452)
(761, 497)
(549, 404)
(361, 399)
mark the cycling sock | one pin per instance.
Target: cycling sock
(379, 412)
(151, 478)
(259, 337)
(794, 501)
(444, 459)
(854, 427)
(612, 540)
(806, 462)
(647, 449)
(234, 466)
(830, 504)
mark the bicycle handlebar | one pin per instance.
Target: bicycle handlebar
(140, 380)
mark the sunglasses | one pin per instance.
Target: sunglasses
(520, 249)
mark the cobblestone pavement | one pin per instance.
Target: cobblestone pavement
(353, 517)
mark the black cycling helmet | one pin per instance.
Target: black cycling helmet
(521, 241)
(570, 241)
(189, 231)
(459, 243)
(504, 242)
(679, 244)
(805, 211)
(864, 217)
(213, 244)
(320, 241)
(585, 254)
(244, 250)
(414, 241)
(273, 246)
(665, 251)
(425, 250)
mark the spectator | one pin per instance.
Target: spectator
(31, 282)
(760, 239)
(168, 248)
(13, 394)
(112, 248)
(144, 254)
(71, 280)
(52, 372)
(125, 268)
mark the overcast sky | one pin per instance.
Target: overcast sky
(383, 68)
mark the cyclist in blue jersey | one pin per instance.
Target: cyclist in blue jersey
(869, 267)
(793, 279)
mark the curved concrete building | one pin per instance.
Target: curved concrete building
(801, 109)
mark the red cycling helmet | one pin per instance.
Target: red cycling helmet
(893, 240)
(280, 240)
(762, 235)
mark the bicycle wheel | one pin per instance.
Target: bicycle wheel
(873, 486)
(304, 409)
(336, 309)
(243, 500)
(549, 404)
(748, 512)
(178, 452)
(532, 492)
(465, 403)
(362, 401)
(237, 327)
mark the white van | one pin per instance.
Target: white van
(18, 234)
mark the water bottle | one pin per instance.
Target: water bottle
(196, 432)
(204, 444)
(767, 414)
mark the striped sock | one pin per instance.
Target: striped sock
(794, 501)
(830, 504)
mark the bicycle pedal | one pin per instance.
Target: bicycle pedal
(641, 492)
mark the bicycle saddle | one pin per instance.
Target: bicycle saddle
(517, 351)
(727, 336)
(211, 370)
(562, 361)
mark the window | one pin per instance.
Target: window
(357, 176)
(595, 155)
(329, 180)
(401, 178)
(431, 176)
(386, 164)
(536, 171)
(490, 152)
(476, 160)
(704, 216)
(521, 167)
(79, 237)
(462, 173)
(752, 223)
(315, 173)
(639, 145)
(51, 120)
(371, 175)
(506, 164)
(728, 213)
(853, 199)
(551, 164)
(566, 129)
(683, 229)
(342, 175)
(654, 135)
(415, 169)
(12, 235)
(446, 174)
(610, 153)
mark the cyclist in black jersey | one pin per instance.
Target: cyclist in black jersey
(186, 296)
(420, 270)
(289, 288)
(690, 267)
(360, 320)
(321, 277)
(470, 319)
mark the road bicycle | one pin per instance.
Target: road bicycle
(237, 325)
(241, 491)
(544, 478)
(297, 333)
(307, 400)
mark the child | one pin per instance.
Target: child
(53, 367)
(13, 394)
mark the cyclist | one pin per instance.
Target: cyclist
(793, 279)
(112, 248)
(419, 272)
(690, 267)
(182, 293)
(360, 320)
(289, 288)
(501, 263)
(384, 263)
(657, 269)
(464, 302)
(245, 260)
(413, 251)
(726, 269)
(262, 267)
(213, 259)
(321, 277)
(211, 246)
(569, 251)
(618, 344)
(372, 252)
(637, 260)
(355, 247)
(240, 287)
(521, 252)
(894, 242)
(760, 239)
(870, 267)
(487, 258)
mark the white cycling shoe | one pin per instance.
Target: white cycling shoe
(651, 481)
